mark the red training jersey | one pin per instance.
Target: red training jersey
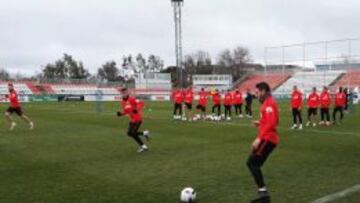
(340, 99)
(132, 107)
(216, 97)
(237, 98)
(178, 97)
(189, 97)
(13, 99)
(325, 100)
(313, 100)
(228, 99)
(203, 98)
(296, 100)
(269, 121)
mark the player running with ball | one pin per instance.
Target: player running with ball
(132, 108)
(266, 140)
(15, 107)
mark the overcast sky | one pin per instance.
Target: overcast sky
(35, 32)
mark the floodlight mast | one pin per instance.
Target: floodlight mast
(177, 5)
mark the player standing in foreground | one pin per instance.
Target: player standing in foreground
(132, 108)
(324, 107)
(313, 104)
(296, 105)
(216, 99)
(202, 103)
(228, 101)
(189, 97)
(238, 103)
(248, 106)
(15, 107)
(178, 98)
(266, 141)
(340, 103)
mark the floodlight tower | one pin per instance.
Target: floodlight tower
(177, 4)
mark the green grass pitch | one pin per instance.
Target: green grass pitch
(76, 155)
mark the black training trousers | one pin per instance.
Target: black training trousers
(133, 131)
(248, 109)
(324, 112)
(338, 109)
(177, 108)
(216, 107)
(257, 159)
(227, 110)
(297, 116)
(238, 109)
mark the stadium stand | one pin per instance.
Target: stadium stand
(307, 80)
(33, 88)
(47, 89)
(350, 79)
(69, 89)
(21, 88)
(274, 80)
(221, 82)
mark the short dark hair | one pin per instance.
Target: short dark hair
(124, 89)
(263, 86)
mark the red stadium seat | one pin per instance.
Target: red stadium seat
(274, 80)
(350, 79)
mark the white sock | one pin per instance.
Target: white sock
(263, 189)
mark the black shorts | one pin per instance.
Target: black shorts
(312, 111)
(133, 128)
(16, 110)
(200, 107)
(188, 106)
(263, 151)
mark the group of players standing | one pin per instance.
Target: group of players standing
(230, 100)
(314, 101)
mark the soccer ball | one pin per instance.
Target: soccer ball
(188, 195)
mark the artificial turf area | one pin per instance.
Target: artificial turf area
(76, 155)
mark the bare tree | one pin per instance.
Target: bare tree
(234, 61)
(196, 62)
(4, 75)
(108, 71)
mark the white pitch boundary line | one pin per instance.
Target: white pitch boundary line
(338, 195)
(312, 130)
(222, 123)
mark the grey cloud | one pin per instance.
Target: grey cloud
(39, 31)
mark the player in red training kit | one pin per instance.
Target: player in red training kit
(237, 101)
(178, 99)
(189, 97)
(132, 108)
(15, 107)
(340, 103)
(324, 107)
(228, 101)
(216, 98)
(296, 105)
(203, 95)
(313, 104)
(266, 141)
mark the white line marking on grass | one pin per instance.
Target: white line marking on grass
(108, 113)
(338, 195)
(305, 130)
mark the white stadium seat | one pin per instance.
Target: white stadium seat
(307, 80)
